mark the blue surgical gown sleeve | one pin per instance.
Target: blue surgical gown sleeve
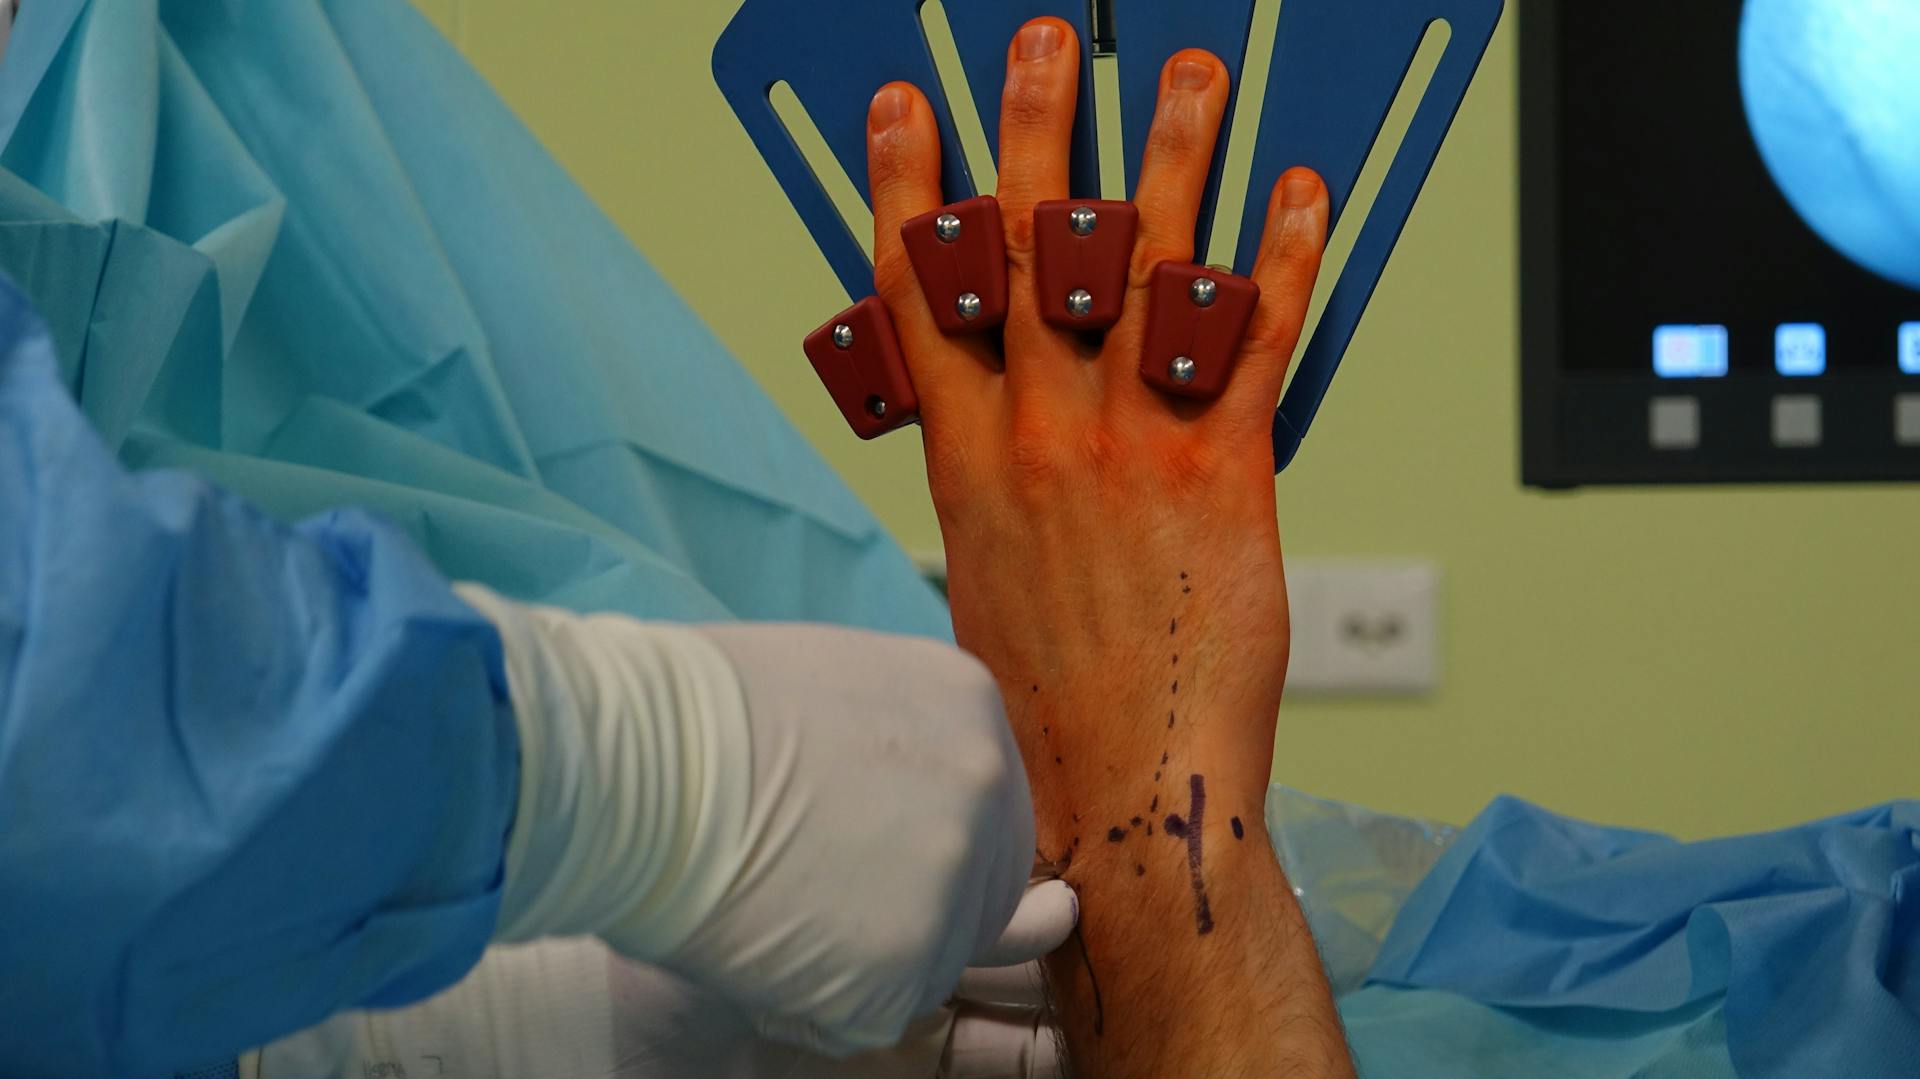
(250, 774)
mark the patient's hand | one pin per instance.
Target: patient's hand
(1113, 557)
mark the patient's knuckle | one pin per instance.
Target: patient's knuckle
(1026, 103)
(1174, 138)
(1273, 338)
(1033, 451)
(1021, 241)
(1189, 465)
(1297, 269)
(1153, 249)
(893, 160)
(893, 274)
(1107, 453)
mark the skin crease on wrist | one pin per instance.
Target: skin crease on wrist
(1114, 559)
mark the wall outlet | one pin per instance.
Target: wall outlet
(1363, 628)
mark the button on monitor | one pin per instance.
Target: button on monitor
(1796, 422)
(1690, 351)
(1906, 419)
(1800, 348)
(1673, 423)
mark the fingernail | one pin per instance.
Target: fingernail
(1298, 192)
(1037, 42)
(1192, 75)
(890, 106)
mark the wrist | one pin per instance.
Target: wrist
(1099, 783)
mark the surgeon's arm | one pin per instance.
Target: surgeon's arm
(1113, 558)
(253, 774)
(249, 774)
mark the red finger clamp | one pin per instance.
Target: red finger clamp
(959, 252)
(1082, 253)
(1196, 320)
(857, 356)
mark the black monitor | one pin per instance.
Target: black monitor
(1720, 241)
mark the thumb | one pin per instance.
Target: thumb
(1043, 921)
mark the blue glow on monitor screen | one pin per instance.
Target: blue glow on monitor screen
(1800, 349)
(1690, 351)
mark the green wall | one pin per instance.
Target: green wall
(1698, 661)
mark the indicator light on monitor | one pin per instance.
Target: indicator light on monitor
(1910, 348)
(1690, 351)
(1800, 349)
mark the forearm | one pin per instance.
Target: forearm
(1193, 957)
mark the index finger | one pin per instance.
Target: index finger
(903, 164)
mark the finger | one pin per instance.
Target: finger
(1178, 158)
(1043, 921)
(1022, 986)
(1036, 149)
(903, 165)
(999, 1043)
(1294, 239)
(1036, 127)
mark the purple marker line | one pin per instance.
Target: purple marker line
(1196, 817)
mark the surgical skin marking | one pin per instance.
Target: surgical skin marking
(1191, 829)
(1099, 1009)
(1238, 831)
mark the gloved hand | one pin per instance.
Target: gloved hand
(572, 1009)
(823, 826)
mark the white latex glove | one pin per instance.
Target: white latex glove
(572, 1009)
(823, 826)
